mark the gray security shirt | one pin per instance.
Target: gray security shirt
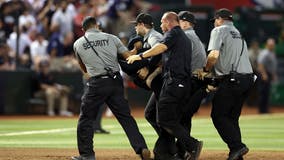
(227, 40)
(198, 58)
(268, 60)
(107, 47)
(152, 38)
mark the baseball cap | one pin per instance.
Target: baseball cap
(144, 18)
(223, 13)
(187, 16)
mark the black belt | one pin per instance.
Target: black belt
(238, 75)
(214, 81)
(103, 76)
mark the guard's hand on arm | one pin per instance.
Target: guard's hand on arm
(133, 58)
(201, 74)
(210, 88)
(86, 76)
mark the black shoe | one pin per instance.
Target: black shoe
(167, 156)
(145, 154)
(235, 155)
(161, 156)
(83, 158)
(101, 131)
(240, 158)
(176, 157)
(194, 154)
(187, 156)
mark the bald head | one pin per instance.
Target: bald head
(270, 44)
(172, 17)
(169, 21)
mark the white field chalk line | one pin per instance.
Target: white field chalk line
(114, 126)
(57, 130)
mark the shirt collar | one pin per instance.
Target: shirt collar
(92, 30)
(189, 29)
(147, 34)
(229, 23)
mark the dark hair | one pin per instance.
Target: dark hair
(88, 22)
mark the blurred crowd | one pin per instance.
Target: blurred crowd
(46, 31)
(48, 28)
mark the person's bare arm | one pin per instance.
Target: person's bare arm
(157, 49)
(212, 59)
(137, 46)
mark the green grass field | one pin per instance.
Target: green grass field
(264, 132)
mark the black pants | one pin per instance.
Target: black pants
(151, 107)
(226, 109)
(109, 91)
(264, 88)
(132, 69)
(165, 143)
(198, 92)
(151, 112)
(98, 121)
(171, 107)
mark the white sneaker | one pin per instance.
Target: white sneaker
(50, 113)
(66, 113)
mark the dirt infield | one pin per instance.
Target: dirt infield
(122, 154)
(65, 154)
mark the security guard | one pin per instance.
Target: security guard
(152, 73)
(187, 22)
(97, 52)
(144, 27)
(177, 78)
(229, 57)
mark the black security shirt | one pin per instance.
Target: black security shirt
(179, 53)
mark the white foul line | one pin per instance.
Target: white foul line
(37, 132)
(55, 130)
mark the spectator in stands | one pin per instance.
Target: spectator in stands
(27, 20)
(52, 91)
(25, 61)
(62, 37)
(6, 62)
(44, 16)
(39, 50)
(267, 65)
(119, 13)
(62, 20)
(61, 53)
(9, 12)
(36, 5)
(2, 32)
(24, 44)
(83, 11)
